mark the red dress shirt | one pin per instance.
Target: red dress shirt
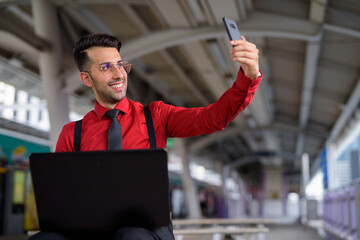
(169, 121)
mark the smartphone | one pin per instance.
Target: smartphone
(232, 29)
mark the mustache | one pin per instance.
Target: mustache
(117, 81)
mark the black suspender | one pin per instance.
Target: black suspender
(150, 127)
(149, 124)
(77, 135)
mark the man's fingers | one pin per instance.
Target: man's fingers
(236, 42)
(246, 61)
(239, 49)
(244, 46)
(243, 54)
(247, 54)
(245, 58)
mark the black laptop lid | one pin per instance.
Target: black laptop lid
(101, 190)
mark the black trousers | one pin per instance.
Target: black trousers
(128, 233)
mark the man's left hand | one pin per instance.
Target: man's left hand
(247, 55)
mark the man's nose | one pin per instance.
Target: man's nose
(118, 72)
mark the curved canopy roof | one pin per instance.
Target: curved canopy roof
(309, 54)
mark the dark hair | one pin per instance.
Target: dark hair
(92, 40)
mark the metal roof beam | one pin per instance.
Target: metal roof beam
(196, 92)
(342, 30)
(256, 25)
(310, 72)
(12, 24)
(348, 110)
(7, 3)
(24, 74)
(317, 10)
(17, 45)
(25, 17)
(231, 131)
(252, 156)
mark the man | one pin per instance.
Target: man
(102, 68)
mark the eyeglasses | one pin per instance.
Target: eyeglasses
(108, 68)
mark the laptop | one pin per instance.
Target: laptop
(83, 191)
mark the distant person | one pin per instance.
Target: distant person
(202, 201)
(211, 203)
(102, 68)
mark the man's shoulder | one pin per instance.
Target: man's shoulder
(71, 125)
(90, 114)
(135, 104)
(153, 105)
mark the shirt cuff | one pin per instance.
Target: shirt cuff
(259, 74)
(243, 82)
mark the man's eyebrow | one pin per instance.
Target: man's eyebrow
(109, 62)
(104, 63)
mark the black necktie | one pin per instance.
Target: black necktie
(115, 131)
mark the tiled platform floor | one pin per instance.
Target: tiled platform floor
(277, 232)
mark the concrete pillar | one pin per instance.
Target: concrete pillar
(261, 196)
(50, 62)
(305, 172)
(243, 197)
(189, 185)
(331, 165)
(228, 208)
(225, 173)
(285, 189)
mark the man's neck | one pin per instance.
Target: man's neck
(108, 105)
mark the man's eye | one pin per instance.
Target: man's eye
(105, 67)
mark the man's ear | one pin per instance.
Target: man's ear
(85, 78)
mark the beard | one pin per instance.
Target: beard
(104, 93)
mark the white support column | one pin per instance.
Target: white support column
(50, 62)
(225, 173)
(189, 185)
(305, 172)
(331, 165)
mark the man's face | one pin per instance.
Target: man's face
(108, 90)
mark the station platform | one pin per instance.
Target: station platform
(288, 232)
(292, 232)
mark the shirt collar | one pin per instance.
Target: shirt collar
(123, 106)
